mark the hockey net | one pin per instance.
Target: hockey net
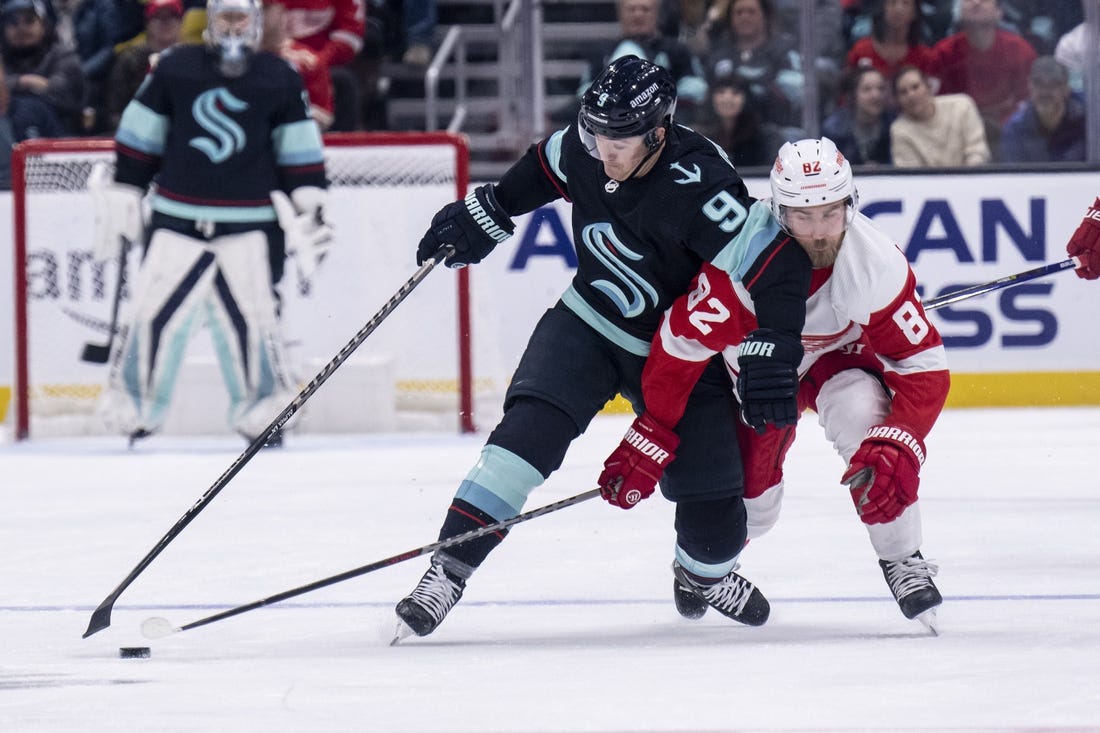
(384, 188)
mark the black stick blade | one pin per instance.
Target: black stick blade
(96, 353)
(101, 618)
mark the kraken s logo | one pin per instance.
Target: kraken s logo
(601, 241)
(226, 136)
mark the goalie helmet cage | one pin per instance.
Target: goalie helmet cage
(397, 160)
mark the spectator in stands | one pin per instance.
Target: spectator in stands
(986, 62)
(1070, 52)
(332, 31)
(861, 127)
(22, 117)
(732, 121)
(895, 40)
(751, 46)
(98, 25)
(163, 25)
(315, 76)
(420, 21)
(937, 17)
(830, 50)
(1041, 22)
(934, 131)
(641, 37)
(1050, 127)
(38, 66)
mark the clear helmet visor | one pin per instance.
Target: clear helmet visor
(817, 222)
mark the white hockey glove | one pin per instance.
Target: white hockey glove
(118, 217)
(302, 218)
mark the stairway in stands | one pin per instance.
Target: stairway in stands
(570, 29)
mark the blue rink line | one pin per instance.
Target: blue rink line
(545, 603)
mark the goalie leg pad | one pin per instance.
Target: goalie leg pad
(175, 276)
(242, 313)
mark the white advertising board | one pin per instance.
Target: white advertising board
(957, 230)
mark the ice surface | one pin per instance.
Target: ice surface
(569, 626)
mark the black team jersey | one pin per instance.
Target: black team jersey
(217, 146)
(641, 241)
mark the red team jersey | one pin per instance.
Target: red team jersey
(333, 29)
(865, 306)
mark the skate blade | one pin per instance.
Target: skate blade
(929, 620)
(402, 632)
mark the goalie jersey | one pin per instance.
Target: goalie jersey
(641, 241)
(216, 146)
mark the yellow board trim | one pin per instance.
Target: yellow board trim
(1025, 389)
(995, 389)
(5, 400)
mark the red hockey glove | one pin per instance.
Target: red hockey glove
(884, 474)
(767, 379)
(1085, 243)
(632, 471)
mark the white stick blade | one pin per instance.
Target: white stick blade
(157, 628)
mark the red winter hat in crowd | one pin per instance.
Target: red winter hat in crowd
(152, 7)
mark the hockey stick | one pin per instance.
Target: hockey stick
(101, 353)
(156, 627)
(101, 617)
(1004, 282)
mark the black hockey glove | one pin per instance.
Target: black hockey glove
(473, 226)
(767, 382)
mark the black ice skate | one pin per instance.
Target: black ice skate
(733, 596)
(910, 581)
(429, 603)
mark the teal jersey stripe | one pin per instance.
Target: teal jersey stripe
(142, 129)
(500, 483)
(553, 154)
(758, 231)
(297, 143)
(702, 569)
(224, 214)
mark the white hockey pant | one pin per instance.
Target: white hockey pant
(848, 404)
(226, 282)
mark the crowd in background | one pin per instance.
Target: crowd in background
(896, 82)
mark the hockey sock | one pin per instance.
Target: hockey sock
(464, 517)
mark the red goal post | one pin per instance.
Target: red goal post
(385, 186)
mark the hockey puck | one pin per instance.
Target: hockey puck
(134, 652)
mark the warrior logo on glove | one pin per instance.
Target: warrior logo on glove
(631, 473)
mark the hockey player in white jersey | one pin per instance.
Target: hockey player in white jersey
(221, 133)
(874, 368)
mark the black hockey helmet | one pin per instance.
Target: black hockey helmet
(630, 97)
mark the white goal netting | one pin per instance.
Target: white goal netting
(385, 187)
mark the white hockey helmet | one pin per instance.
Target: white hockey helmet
(811, 172)
(234, 29)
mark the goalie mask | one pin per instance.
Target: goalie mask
(234, 29)
(809, 173)
(631, 97)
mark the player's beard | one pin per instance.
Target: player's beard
(823, 252)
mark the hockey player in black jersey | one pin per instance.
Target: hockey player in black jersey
(222, 132)
(652, 201)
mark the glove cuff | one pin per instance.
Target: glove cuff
(487, 213)
(900, 436)
(766, 344)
